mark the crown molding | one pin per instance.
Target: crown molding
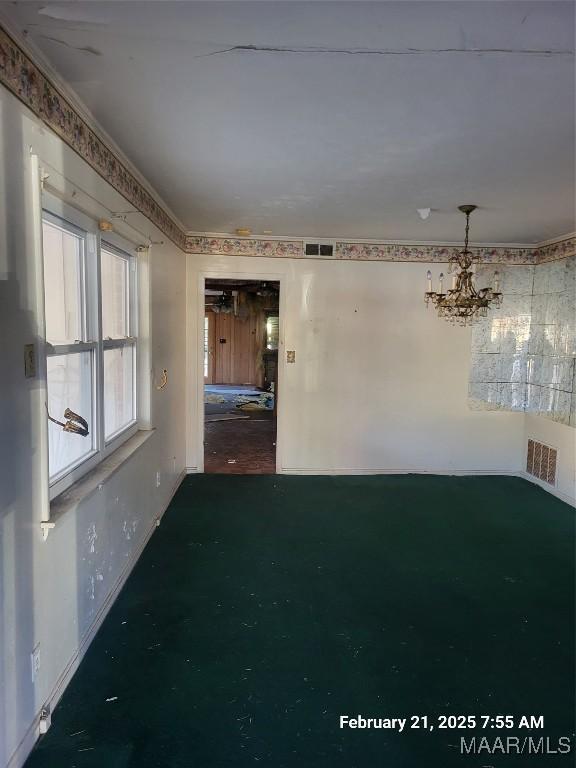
(27, 75)
(554, 240)
(553, 250)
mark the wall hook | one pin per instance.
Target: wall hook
(163, 380)
(74, 423)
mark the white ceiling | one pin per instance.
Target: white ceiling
(360, 114)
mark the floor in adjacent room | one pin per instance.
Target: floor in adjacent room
(238, 439)
(263, 608)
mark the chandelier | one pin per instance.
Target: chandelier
(463, 304)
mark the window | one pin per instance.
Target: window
(119, 342)
(91, 334)
(272, 332)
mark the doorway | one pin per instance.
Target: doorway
(241, 335)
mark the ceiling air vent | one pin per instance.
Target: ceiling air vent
(541, 461)
(318, 249)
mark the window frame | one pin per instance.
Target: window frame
(131, 340)
(59, 214)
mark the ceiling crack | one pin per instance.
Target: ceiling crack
(83, 49)
(389, 52)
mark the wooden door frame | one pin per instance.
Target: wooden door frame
(240, 275)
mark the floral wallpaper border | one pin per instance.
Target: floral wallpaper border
(23, 78)
(378, 252)
(245, 246)
(26, 81)
(560, 250)
(429, 253)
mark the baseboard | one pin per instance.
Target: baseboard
(346, 471)
(547, 487)
(458, 472)
(20, 755)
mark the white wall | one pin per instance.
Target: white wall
(51, 592)
(380, 383)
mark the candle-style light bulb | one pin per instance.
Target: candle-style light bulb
(429, 279)
(496, 281)
(441, 280)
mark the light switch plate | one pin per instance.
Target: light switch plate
(290, 356)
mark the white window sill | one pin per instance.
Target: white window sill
(95, 479)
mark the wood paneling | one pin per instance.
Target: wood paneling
(223, 349)
(209, 379)
(238, 346)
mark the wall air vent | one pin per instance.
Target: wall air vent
(541, 461)
(318, 249)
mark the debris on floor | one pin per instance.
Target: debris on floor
(224, 417)
(211, 398)
(236, 396)
(265, 402)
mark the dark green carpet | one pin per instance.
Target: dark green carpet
(263, 608)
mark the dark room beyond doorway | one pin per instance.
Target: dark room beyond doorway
(240, 376)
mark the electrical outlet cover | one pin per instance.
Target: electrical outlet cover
(45, 719)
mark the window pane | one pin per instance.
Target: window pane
(63, 252)
(119, 410)
(272, 332)
(69, 386)
(114, 296)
